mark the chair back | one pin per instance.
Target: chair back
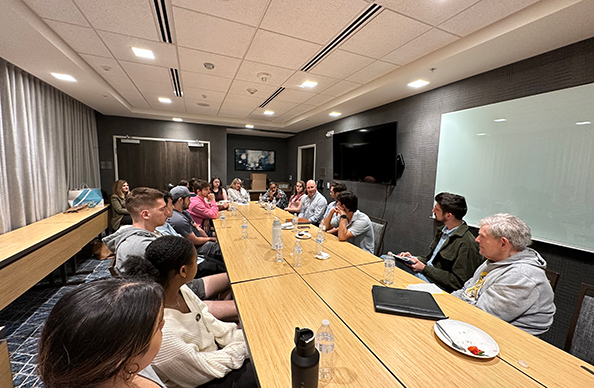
(580, 339)
(553, 278)
(379, 229)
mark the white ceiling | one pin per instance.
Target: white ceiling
(92, 40)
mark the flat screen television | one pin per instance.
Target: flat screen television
(366, 154)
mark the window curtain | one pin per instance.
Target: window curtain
(48, 144)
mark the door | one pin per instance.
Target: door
(156, 163)
(306, 162)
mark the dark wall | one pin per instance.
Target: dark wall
(107, 126)
(408, 207)
(257, 143)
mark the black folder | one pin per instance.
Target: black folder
(419, 304)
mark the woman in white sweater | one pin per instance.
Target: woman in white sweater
(238, 193)
(197, 348)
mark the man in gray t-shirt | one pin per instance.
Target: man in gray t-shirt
(352, 225)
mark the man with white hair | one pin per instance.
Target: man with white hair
(313, 205)
(511, 284)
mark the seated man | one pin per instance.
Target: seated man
(148, 211)
(453, 255)
(313, 205)
(182, 222)
(277, 195)
(352, 225)
(335, 189)
(511, 284)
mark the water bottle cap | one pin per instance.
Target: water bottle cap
(326, 322)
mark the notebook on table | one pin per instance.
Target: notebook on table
(411, 303)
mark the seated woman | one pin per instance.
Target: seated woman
(203, 207)
(219, 192)
(238, 193)
(197, 348)
(295, 200)
(277, 195)
(119, 214)
(103, 334)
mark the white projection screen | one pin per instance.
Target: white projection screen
(532, 157)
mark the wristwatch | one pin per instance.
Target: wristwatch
(343, 216)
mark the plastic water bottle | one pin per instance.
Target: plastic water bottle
(260, 199)
(276, 232)
(320, 241)
(297, 253)
(268, 207)
(223, 220)
(295, 221)
(273, 204)
(233, 209)
(325, 345)
(278, 246)
(244, 229)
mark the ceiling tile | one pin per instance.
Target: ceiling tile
(299, 77)
(133, 18)
(431, 12)
(81, 39)
(300, 109)
(341, 64)
(383, 34)
(244, 11)
(121, 47)
(192, 107)
(104, 66)
(145, 73)
(177, 104)
(194, 60)
(297, 96)
(319, 99)
(211, 34)
(371, 72)
(312, 20)
(340, 88)
(134, 98)
(199, 94)
(59, 10)
(482, 14)
(238, 106)
(427, 43)
(248, 71)
(279, 108)
(281, 50)
(262, 91)
(146, 87)
(120, 83)
(203, 81)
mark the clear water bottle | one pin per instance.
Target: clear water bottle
(268, 206)
(260, 199)
(244, 229)
(273, 204)
(320, 241)
(295, 221)
(325, 345)
(233, 209)
(276, 231)
(223, 220)
(297, 253)
(278, 246)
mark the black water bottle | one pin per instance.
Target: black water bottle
(305, 359)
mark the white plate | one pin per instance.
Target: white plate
(288, 227)
(467, 335)
(303, 235)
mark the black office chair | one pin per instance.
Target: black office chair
(553, 278)
(379, 230)
(580, 339)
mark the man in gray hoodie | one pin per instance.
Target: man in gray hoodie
(511, 284)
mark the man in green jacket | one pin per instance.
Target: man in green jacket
(453, 255)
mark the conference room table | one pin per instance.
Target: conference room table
(372, 349)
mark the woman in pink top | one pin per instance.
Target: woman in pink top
(295, 200)
(203, 206)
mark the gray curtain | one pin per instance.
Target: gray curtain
(48, 144)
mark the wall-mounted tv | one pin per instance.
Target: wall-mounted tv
(366, 154)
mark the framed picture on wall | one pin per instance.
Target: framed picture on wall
(255, 160)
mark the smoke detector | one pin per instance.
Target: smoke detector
(209, 65)
(264, 76)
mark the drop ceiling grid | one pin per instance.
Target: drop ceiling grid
(58, 10)
(371, 72)
(431, 12)
(426, 43)
(82, 39)
(193, 61)
(341, 64)
(245, 11)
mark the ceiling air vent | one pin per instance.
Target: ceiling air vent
(272, 96)
(177, 90)
(370, 13)
(163, 21)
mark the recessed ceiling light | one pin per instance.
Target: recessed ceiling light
(482, 134)
(64, 77)
(268, 112)
(249, 126)
(308, 84)
(165, 100)
(143, 53)
(418, 83)
(583, 123)
(335, 114)
(209, 65)
(179, 120)
(500, 120)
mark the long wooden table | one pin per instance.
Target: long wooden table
(273, 298)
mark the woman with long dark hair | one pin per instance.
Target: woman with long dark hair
(119, 214)
(197, 348)
(295, 200)
(103, 334)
